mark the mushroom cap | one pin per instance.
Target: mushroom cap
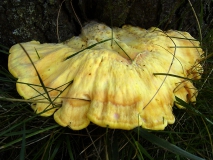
(112, 82)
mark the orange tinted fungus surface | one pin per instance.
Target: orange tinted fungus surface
(118, 82)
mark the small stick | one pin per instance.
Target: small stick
(76, 14)
(57, 20)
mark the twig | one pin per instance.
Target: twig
(197, 21)
(58, 19)
(76, 15)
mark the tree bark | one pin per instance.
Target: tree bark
(23, 20)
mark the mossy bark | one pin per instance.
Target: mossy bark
(23, 20)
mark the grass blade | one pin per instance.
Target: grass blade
(186, 105)
(165, 144)
(29, 135)
(23, 145)
(69, 148)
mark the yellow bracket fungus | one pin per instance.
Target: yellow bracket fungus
(120, 82)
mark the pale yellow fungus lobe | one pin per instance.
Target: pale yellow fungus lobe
(117, 82)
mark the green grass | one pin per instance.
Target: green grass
(25, 135)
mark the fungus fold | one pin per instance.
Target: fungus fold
(120, 82)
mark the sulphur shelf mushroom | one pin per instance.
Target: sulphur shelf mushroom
(118, 78)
